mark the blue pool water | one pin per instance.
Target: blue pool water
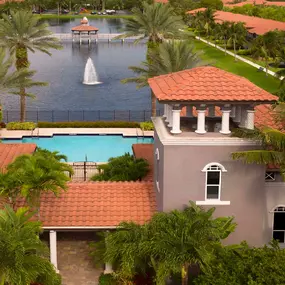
(98, 148)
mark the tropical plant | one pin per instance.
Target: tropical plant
(208, 21)
(243, 266)
(267, 46)
(24, 257)
(29, 176)
(170, 243)
(212, 4)
(122, 168)
(224, 33)
(11, 81)
(171, 56)
(237, 35)
(155, 22)
(21, 32)
(273, 151)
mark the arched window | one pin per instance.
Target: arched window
(213, 180)
(279, 224)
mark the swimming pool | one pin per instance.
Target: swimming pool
(98, 148)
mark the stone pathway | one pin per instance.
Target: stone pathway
(74, 263)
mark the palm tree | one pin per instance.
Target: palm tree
(238, 34)
(224, 33)
(156, 22)
(24, 257)
(171, 56)
(21, 32)
(208, 20)
(30, 176)
(11, 81)
(273, 151)
(170, 242)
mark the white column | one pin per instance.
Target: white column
(237, 117)
(189, 111)
(165, 111)
(243, 118)
(108, 268)
(249, 124)
(176, 120)
(225, 122)
(170, 116)
(212, 112)
(201, 117)
(53, 248)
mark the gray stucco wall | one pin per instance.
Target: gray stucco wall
(243, 185)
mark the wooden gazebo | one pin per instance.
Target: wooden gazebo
(84, 31)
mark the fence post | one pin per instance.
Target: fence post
(68, 116)
(144, 115)
(83, 115)
(37, 116)
(114, 115)
(52, 115)
(99, 116)
(84, 170)
(129, 115)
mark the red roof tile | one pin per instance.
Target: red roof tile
(161, 1)
(253, 2)
(207, 83)
(8, 152)
(84, 28)
(98, 204)
(145, 151)
(254, 24)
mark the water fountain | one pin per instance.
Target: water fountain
(90, 74)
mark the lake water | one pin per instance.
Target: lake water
(64, 71)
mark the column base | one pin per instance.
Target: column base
(176, 132)
(108, 271)
(200, 132)
(169, 126)
(225, 133)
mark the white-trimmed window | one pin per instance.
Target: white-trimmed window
(213, 184)
(279, 224)
(157, 169)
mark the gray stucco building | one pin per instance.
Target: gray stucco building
(193, 147)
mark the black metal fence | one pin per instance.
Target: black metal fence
(82, 116)
(84, 170)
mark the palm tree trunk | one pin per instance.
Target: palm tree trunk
(235, 50)
(225, 46)
(22, 62)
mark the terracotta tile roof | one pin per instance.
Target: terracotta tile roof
(84, 28)
(207, 83)
(254, 24)
(8, 152)
(145, 151)
(161, 1)
(253, 2)
(98, 204)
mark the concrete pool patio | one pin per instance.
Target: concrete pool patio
(49, 132)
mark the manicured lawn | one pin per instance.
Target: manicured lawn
(68, 16)
(218, 58)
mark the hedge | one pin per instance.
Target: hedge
(147, 126)
(99, 124)
(21, 126)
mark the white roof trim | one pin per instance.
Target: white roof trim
(205, 169)
(80, 228)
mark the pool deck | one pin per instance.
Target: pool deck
(49, 132)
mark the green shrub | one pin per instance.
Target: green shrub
(147, 126)
(244, 52)
(21, 126)
(106, 279)
(115, 124)
(122, 168)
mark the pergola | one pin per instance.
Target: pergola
(84, 31)
(204, 92)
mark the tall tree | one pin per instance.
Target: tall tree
(30, 176)
(11, 81)
(171, 56)
(273, 151)
(156, 22)
(170, 242)
(237, 35)
(224, 33)
(24, 257)
(21, 32)
(208, 21)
